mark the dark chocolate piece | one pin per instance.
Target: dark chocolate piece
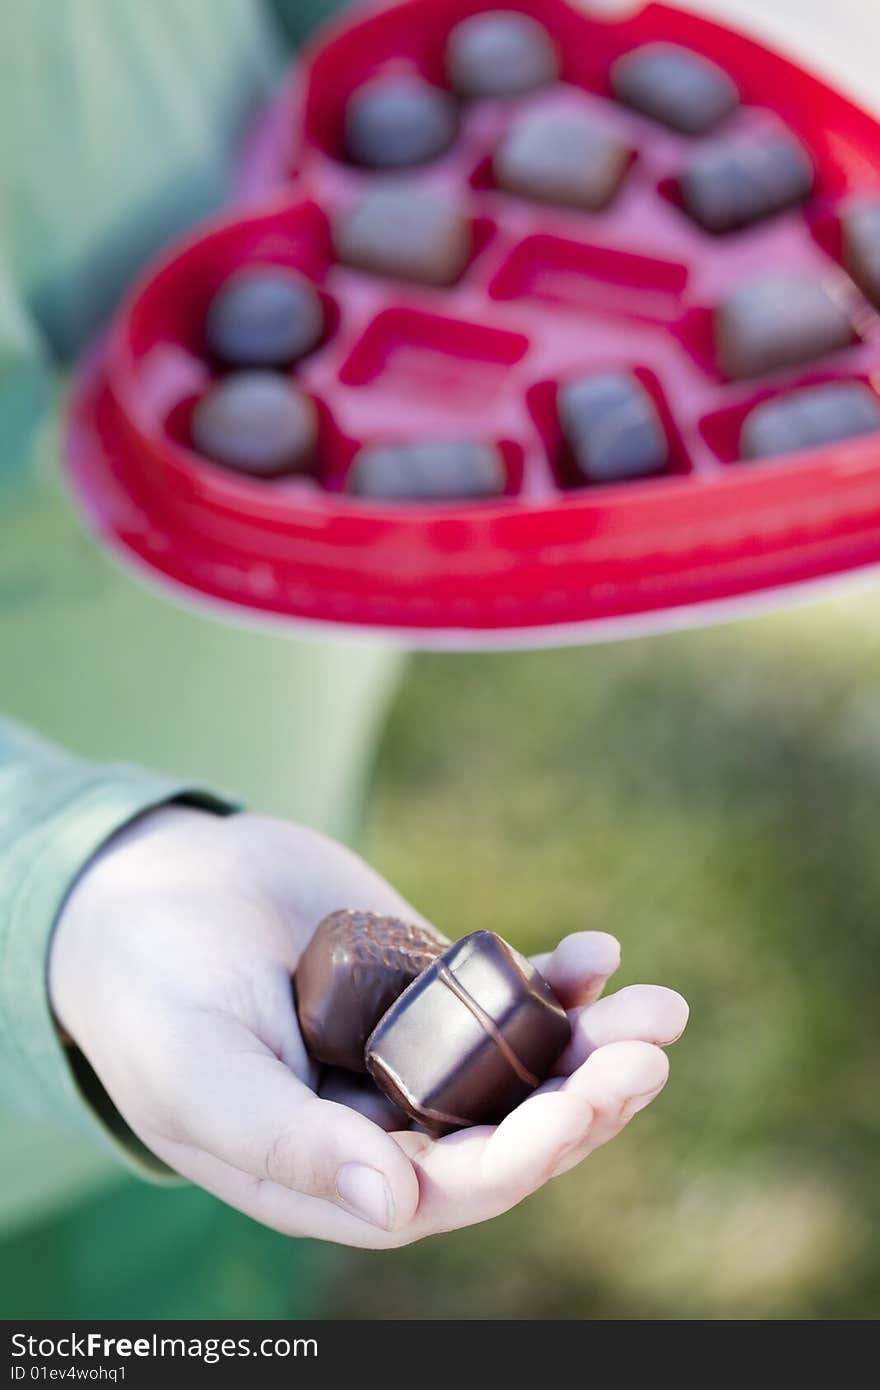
(428, 470)
(678, 88)
(561, 157)
(256, 422)
(264, 317)
(500, 53)
(405, 233)
(808, 418)
(398, 121)
(776, 322)
(612, 428)
(734, 183)
(473, 1035)
(861, 249)
(354, 967)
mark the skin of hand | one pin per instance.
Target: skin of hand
(170, 969)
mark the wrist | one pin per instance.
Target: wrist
(133, 860)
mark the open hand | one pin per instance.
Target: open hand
(170, 969)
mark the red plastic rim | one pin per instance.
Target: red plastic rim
(547, 295)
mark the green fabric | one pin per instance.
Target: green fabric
(24, 388)
(117, 121)
(297, 18)
(287, 723)
(55, 813)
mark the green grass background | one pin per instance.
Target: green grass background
(713, 798)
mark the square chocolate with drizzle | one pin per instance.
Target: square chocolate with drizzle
(737, 182)
(428, 470)
(861, 248)
(470, 1038)
(612, 427)
(810, 418)
(566, 157)
(778, 321)
(406, 232)
(678, 88)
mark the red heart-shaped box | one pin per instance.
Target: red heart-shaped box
(547, 295)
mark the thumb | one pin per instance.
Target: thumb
(251, 1112)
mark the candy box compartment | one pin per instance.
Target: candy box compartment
(548, 294)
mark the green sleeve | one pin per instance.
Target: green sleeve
(25, 386)
(152, 100)
(297, 18)
(55, 813)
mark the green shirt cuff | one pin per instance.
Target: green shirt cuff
(80, 809)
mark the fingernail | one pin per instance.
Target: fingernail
(366, 1193)
(638, 1103)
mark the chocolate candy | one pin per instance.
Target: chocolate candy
(397, 121)
(861, 249)
(562, 157)
(678, 88)
(354, 967)
(808, 418)
(430, 470)
(256, 422)
(612, 428)
(734, 183)
(264, 317)
(778, 321)
(407, 233)
(470, 1038)
(500, 53)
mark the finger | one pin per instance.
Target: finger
(481, 1172)
(616, 1081)
(244, 1106)
(361, 1094)
(644, 1013)
(468, 1177)
(577, 971)
(289, 1213)
(475, 1174)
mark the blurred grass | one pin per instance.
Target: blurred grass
(714, 799)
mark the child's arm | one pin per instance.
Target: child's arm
(56, 812)
(171, 970)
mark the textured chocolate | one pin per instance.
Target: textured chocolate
(266, 316)
(861, 249)
(809, 418)
(398, 121)
(675, 87)
(612, 428)
(737, 182)
(405, 233)
(354, 967)
(256, 422)
(428, 470)
(500, 53)
(470, 1038)
(561, 157)
(778, 321)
